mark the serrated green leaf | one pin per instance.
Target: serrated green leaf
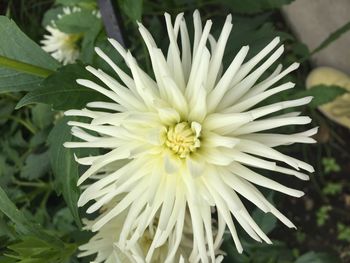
(322, 94)
(63, 221)
(36, 166)
(17, 46)
(34, 250)
(64, 167)
(77, 22)
(23, 226)
(61, 91)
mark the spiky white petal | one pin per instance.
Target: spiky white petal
(106, 245)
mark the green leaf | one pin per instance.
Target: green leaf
(34, 250)
(313, 257)
(266, 221)
(14, 81)
(42, 116)
(332, 37)
(322, 94)
(36, 166)
(7, 260)
(132, 8)
(64, 167)
(77, 22)
(88, 43)
(263, 253)
(61, 91)
(17, 46)
(63, 221)
(343, 232)
(24, 67)
(51, 15)
(253, 6)
(90, 4)
(23, 225)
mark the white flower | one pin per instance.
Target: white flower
(188, 139)
(62, 46)
(107, 249)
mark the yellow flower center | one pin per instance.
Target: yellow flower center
(183, 139)
(72, 40)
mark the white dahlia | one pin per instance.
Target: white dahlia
(62, 46)
(188, 140)
(107, 248)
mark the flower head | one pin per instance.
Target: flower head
(189, 140)
(62, 46)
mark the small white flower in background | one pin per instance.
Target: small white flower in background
(107, 249)
(188, 141)
(63, 46)
(60, 45)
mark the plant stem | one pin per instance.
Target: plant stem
(30, 127)
(24, 67)
(31, 184)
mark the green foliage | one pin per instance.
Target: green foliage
(51, 16)
(332, 188)
(322, 94)
(321, 257)
(12, 81)
(89, 42)
(343, 232)
(36, 166)
(300, 236)
(34, 250)
(42, 116)
(64, 167)
(266, 221)
(61, 91)
(23, 226)
(330, 165)
(77, 22)
(17, 46)
(132, 8)
(88, 4)
(322, 215)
